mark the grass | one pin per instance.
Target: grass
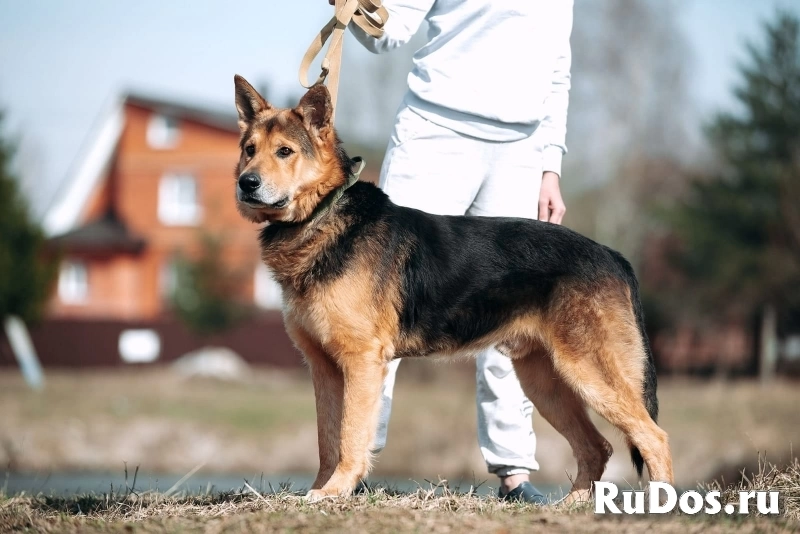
(158, 421)
(768, 477)
(432, 509)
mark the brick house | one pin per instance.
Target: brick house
(152, 179)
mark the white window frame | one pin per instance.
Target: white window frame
(73, 282)
(179, 200)
(163, 131)
(267, 293)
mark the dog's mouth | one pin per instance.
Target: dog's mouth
(280, 204)
(256, 203)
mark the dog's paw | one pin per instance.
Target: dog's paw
(575, 498)
(316, 495)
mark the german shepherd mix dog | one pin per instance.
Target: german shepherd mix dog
(365, 281)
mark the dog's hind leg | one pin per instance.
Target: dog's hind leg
(624, 408)
(363, 377)
(566, 412)
(328, 392)
(599, 352)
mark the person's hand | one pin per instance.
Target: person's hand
(551, 205)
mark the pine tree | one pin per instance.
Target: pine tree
(25, 272)
(740, 228)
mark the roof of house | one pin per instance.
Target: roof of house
(96, 155)
(218, 118)
(105, 234)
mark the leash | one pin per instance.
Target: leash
(369, 15)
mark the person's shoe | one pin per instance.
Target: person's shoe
(525, 492)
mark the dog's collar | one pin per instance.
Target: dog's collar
(337, 193)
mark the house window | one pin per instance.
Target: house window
(178, 200)
(267, 292)
(73, 282)
(162, 131)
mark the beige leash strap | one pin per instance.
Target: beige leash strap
(369, 15)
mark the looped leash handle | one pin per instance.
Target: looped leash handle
(369, 15)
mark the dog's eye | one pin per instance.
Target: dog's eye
(285, 152)
(250, 150)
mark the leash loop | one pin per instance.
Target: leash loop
(369, 15)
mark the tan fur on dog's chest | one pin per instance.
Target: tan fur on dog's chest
(325, 313)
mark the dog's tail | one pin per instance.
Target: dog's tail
(649, 380)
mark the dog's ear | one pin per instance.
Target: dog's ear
(316, 109)
(248, 102)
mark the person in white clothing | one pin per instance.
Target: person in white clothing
(481, 131)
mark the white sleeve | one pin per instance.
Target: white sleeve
(405, 17)
(554, 123)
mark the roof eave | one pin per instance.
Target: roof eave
(92, 162)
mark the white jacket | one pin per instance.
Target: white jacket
(492, 69)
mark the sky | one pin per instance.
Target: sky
(61, 62)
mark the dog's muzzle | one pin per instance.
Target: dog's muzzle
(254, 195)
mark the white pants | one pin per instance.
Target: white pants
(436, 170)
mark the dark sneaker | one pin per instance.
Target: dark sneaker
(525, 492)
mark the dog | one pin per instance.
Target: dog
(365, 281)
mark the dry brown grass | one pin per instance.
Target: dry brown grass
(768, 477)
(155, 420)
(435, 509)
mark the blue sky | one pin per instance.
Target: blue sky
(61, 61)
(717, 30)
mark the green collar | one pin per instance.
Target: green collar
(337, 193)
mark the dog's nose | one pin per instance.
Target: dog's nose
(249, 182)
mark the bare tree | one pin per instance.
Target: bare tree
(629, 117)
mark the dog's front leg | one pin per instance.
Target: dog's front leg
(363, 377)
(328, 393)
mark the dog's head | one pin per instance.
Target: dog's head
(290, 158)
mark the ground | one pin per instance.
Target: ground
(433, 510)
(162, 422)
